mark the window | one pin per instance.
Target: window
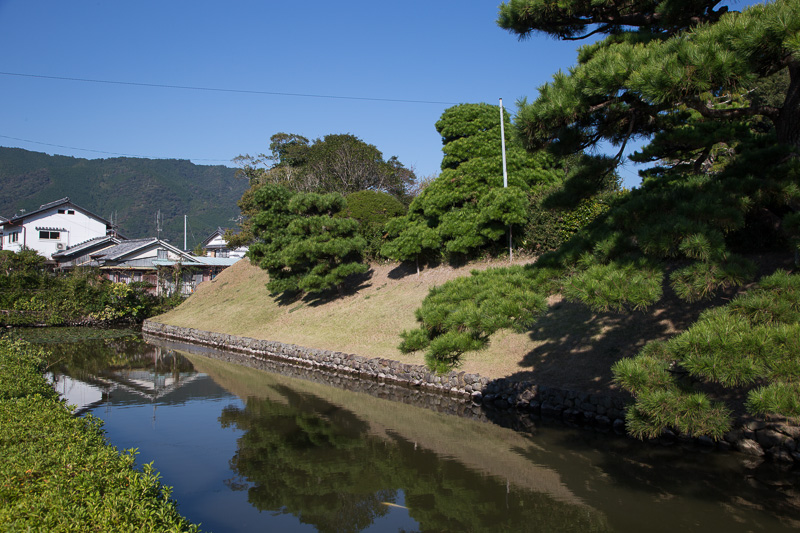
(61, 211)
(70, 211)
(50, 235)
(13, 237)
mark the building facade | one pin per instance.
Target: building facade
(53, 228)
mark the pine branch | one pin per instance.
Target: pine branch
(707, 111)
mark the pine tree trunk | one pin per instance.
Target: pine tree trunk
(787, 126)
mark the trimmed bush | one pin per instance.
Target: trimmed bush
(57, 472)
(372, 210)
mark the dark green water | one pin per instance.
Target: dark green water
(249, 450)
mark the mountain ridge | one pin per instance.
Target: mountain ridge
(129, 190)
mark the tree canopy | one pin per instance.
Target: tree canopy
(660, 58)
(716, 95)
(340, 163)
(466, 208)
(301, 243)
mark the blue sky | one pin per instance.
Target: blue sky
(355, 57)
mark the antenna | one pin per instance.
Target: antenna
(114, 220)
(159, 220)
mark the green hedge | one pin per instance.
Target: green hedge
(57, 473)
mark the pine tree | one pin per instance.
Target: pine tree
(467, 208)
(301, 243)
(716, 94)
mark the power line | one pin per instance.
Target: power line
(222, 90)
(107, 153)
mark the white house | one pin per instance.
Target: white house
(216, 246)
(52, 228)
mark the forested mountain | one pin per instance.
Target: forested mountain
(131, 190)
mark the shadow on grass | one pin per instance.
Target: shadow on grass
(352, 285)
(409, 268)
(576, 347)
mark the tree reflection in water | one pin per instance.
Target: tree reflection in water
(320, 463)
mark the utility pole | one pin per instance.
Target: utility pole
(505, 173)
(184, 233)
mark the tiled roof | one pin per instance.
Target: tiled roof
(62, 201)
(53, 204)
(124, 248)
(219, 231)
(86, 245)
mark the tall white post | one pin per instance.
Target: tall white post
(184, 233)
(503, 144)
(505, 172)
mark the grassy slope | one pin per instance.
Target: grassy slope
(570, 347)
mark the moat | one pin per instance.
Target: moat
(246, 450)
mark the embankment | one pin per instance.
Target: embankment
(560, 370)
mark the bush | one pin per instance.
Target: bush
(29, 295)
(543, 232)
(460, 315)
(57, 472)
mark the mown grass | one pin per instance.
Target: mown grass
(570, 346)
(366, 322)
(57, 473)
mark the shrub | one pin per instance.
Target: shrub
(460, 315)
(57, 472)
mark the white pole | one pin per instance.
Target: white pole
(505, 172)
(503, 144)
(184, 233)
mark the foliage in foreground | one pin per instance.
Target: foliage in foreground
(57, 472)
(752, 342)
(714, 93)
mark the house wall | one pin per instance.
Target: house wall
(72, 229)
(217, 242)
(217, 247)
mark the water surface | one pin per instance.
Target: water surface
(251, 450)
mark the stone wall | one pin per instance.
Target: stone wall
(498, 394)
(473, 395)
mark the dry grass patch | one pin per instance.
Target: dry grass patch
(569, 347)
